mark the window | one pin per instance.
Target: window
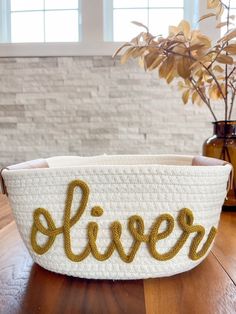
(151, 13)
(85, 27)
(41, 21)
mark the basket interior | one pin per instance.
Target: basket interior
(113, 160)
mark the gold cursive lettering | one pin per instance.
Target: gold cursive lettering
(136, 227)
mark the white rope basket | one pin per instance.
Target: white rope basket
(118, 217)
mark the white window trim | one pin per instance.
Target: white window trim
(4, 21)
(108, 16)
(208, 26)
(92, 35)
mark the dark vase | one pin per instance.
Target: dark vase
(222, 145)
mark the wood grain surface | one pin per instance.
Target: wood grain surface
(27, 288)
(5, 212)
(225, 246)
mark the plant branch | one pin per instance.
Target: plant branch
(232, 100)
(223, 4)
(226, 66)
(204, 66)
(217, 55)
(204, 60)
(231, 72)
(231, 105)
(190, 56)
(203, 97)
(214, 78)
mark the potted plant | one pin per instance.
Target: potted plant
(206, 72)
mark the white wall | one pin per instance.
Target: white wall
(89, 105)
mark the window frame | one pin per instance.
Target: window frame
(44, 10)
(108, 15)
(92, 36)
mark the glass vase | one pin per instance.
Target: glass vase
(222, 145)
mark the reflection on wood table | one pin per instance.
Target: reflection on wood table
(27, 288)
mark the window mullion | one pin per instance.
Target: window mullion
(108, 20)
(44, 26)
(191, 11)
(208, 26)
(5, 21)
(92, 21)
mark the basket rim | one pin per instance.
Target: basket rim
(121, 162)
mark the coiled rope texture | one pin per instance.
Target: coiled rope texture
(185, 221)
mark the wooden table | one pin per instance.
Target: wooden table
(27, 288)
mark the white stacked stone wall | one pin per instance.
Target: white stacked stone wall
(92, 105)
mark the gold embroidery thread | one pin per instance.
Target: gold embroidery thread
(136, 227)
